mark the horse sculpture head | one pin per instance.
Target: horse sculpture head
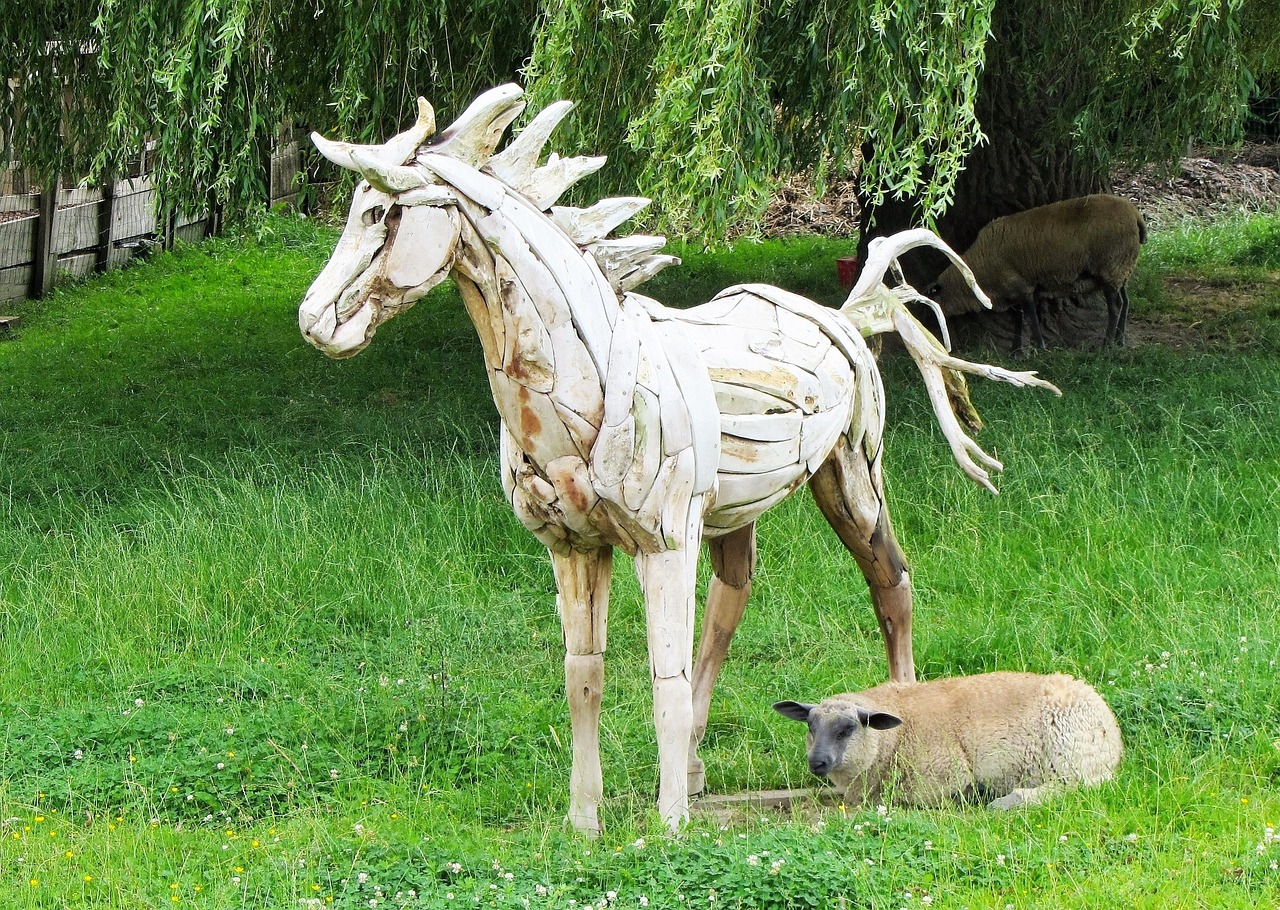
(401, 236)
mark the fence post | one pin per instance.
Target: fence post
(46, 260)
(105, 213)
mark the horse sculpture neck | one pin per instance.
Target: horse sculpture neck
(545, 314)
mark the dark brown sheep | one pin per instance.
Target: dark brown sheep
(1055, 250)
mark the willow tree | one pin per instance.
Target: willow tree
(959, 110)
(205, 84)
(956, 111)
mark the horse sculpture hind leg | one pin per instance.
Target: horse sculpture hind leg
(733, 562)
(849, 489)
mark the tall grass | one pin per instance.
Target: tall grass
(271, 636)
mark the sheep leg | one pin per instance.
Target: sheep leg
(1117, 315)
(668, 580)
(1031, 307)
(1026, 796)
(733, 562)
(582, 586)
(849, 489)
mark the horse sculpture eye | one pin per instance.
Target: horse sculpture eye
(373, 216)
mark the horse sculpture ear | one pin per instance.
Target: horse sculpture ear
(390, 179)
(393, 153)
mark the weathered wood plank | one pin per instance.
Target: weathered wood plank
(134, 215)
(26, 202)
(14, 282)
(17, 241)
(749, 456)
(43, 262)
(76, 264)
(76, 229)
(762, 427)
(191, 232)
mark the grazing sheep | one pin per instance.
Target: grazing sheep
(1055, 250)
(1007, 739)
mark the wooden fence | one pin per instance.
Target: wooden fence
(76, 231)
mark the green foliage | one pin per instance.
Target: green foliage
(701, 103)
(208, 83)
(217, 541)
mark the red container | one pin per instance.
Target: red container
(847, 270)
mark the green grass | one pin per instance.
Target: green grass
(271, 636)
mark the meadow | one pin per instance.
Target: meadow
(271, 637)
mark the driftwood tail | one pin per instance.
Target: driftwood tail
(876, 309)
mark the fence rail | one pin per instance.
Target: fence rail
(76, 231)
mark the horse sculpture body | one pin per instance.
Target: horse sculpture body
(626, 424)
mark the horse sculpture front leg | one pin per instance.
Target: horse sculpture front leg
(582, 586)
(668, 580)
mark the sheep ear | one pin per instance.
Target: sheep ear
(794, 709)
(878, 720)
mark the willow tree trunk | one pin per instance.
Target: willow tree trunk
(1025, 163)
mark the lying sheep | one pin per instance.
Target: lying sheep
(1007, 739)
(1054, 250)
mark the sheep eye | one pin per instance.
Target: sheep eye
(373, 216)
(846, 729)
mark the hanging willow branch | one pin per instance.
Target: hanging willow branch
(702, 104)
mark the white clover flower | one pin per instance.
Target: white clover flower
(510, 876)
(221, 766)
(455, 868)
(644, 901)
(638, 843)
(78, 754)
(137, 702)
(333, 774)
(540, 890)
(1062, 838)
(611, 896)
(362, 878)
(1131, 837)
(999, 859)
(926, 900)
(753, 860)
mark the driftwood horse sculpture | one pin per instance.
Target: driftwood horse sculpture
(626, 424)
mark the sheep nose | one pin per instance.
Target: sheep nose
(819, 765)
